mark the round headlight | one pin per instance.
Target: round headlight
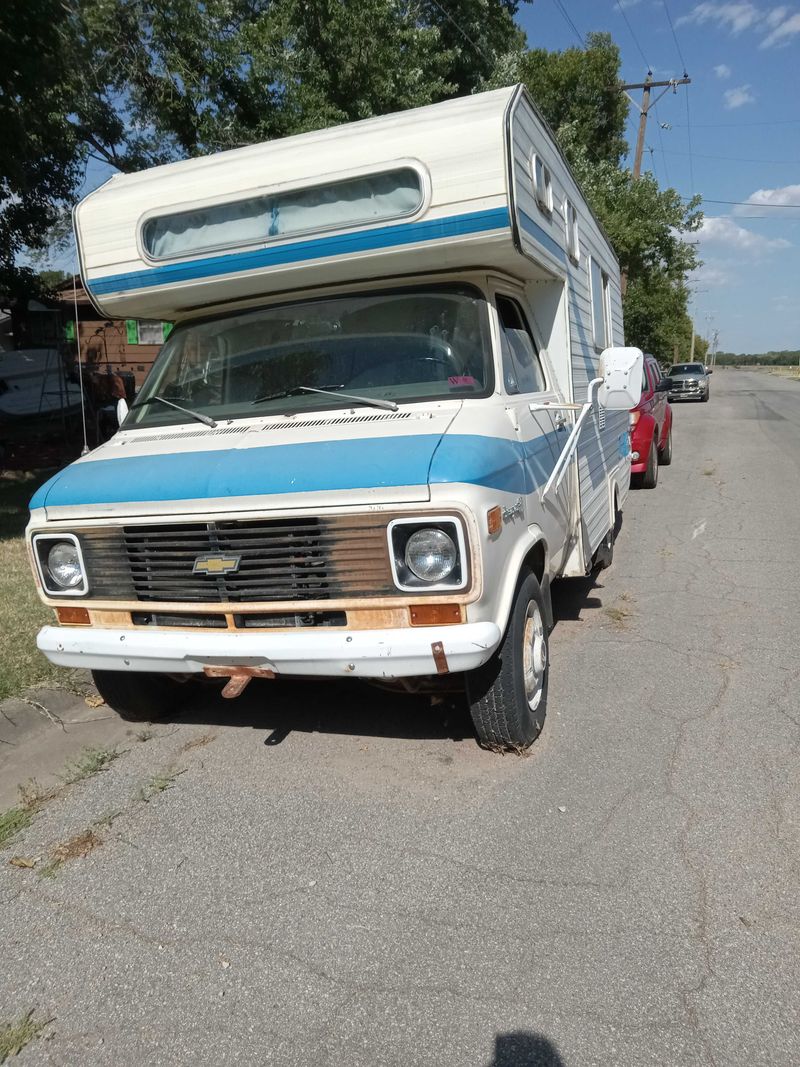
(64, 565)
(430, 555)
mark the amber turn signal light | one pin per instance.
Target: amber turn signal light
(435, 614)
(73, 616)
(494, 520)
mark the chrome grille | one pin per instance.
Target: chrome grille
(279, 560)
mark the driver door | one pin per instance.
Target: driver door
(541, 434)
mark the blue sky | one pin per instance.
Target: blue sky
(744, 137)
(739, 141)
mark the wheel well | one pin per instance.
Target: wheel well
(535, 560)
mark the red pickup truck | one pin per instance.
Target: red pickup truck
(651, 428)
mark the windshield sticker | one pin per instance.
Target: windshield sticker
(458, 381)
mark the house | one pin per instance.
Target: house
(109, 345)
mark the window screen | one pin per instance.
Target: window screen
(353, 202)
(522, 371)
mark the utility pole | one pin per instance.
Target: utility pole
(646, 86)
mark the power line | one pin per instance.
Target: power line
(463, 32)
(674, 35)
(568, 20)
(743, 203)
(689, 141)
(661, 143)
(727, 125)
(737, 159)
(633, 35)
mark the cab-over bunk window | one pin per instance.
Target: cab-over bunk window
(339, 205)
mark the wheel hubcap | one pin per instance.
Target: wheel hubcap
(534, 655)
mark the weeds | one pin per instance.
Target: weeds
(143, 735)
(159, 783)
(12, 822)
(14, 1036)
(90, 762)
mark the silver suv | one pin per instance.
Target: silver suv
(688, 381)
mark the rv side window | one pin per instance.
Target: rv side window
(573, 237)
(542, 185)
(601, 305)
(522, 371)
(339, 205)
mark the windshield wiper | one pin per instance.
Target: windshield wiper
(372, 401)
(206, 419)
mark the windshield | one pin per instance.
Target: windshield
(687, 368)
(427, 343)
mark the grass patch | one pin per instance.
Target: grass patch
(90, 762)
(12, 822)
(14, 1036)
(158, 783)
(22, 614)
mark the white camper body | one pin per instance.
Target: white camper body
(444, 267)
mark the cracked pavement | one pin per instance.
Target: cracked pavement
(341, 876)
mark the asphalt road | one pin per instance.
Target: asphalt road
(342, 877)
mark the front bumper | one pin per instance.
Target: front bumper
(397, 653)
(688, 394)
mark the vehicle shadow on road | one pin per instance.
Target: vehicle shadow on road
(350, 707)
(332, 707)
(572, 597)
(524, 1048)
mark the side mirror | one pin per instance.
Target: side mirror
(664, 385)
(122, 410)
(621, 370)
(709, 370)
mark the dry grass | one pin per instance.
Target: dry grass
(14, 1036)
(199, 742)
(77, 847)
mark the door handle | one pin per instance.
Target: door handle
(560, 421)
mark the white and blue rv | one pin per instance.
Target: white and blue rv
(392, 411)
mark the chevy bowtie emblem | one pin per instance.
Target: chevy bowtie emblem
(216, 564)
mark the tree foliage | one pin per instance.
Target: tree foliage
(39, 149)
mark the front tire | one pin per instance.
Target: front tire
(508, 695)
(140, 697)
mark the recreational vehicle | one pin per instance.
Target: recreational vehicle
(392, 411)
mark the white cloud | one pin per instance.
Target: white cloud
(778, 24)
(782, 32)
(736, 17)
(723, 232)
(713, 274)
(787, 197)
(722, 70)
(738, 97)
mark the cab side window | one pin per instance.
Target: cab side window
(522, 371)
(655, 374)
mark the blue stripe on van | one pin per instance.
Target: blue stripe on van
(301, 251)
(542, 236)
(310, 467)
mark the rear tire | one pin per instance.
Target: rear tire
(665, 455)
(508, 695)
(650, 476)
(141, 697)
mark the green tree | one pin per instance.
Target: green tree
(40, 157)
